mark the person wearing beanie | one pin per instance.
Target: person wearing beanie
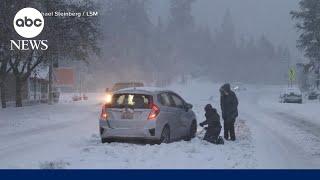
(229, 107)
(213, 122)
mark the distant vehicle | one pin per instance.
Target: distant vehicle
(144, 113)
(313, 95)
(76, 98)
(238, 86)
(291, 95)
(56, 95)
(119, 86)
(79, 97)
(85, 97)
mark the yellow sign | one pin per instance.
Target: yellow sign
(292, 74)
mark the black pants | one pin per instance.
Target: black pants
(229, 130)
(212, 135)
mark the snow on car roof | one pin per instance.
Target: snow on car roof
(141, 89)
(292, 90)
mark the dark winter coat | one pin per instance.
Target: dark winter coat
(229, 103)
(213, 122)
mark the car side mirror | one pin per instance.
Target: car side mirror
(188, 106)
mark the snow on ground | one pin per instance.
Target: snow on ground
(293, 128)
(65, 135)
(193, 154)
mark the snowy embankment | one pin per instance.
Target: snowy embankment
(65, 135)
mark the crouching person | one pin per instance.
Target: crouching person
(214, 126)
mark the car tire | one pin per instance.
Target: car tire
(106, 140)
(165, 135)
(192, 131)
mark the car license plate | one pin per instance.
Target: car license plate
(127, 115)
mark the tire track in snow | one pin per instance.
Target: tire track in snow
(300, 122)
(274, 136)
(42, 139)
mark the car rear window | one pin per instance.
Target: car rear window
(134, 101)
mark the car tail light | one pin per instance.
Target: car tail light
(155, 111)
(104, 114)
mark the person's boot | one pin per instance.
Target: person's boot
(226, 136)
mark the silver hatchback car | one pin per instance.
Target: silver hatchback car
(144, 113)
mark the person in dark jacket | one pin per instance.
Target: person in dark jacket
(229, 107)
(213, 122)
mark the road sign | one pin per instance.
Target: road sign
(292, 74)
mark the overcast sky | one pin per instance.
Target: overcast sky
(251, 17)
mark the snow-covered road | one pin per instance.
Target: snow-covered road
(270, 135)
(285, 135)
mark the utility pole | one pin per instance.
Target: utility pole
(79, 75)
(50, 81)
(286, 62)
(317, 72)
(35, 86)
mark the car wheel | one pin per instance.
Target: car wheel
(192, 131)
(165, 135)
(106, 140)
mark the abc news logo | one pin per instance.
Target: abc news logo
(28, 23)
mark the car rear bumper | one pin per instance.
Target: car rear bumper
(293, 100)
(147, 132)
(313, 97)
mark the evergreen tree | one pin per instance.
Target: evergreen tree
(308, 23)
(180, 15)
(128, 35)
(227, 33)
(180, 31)
(265, 48)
